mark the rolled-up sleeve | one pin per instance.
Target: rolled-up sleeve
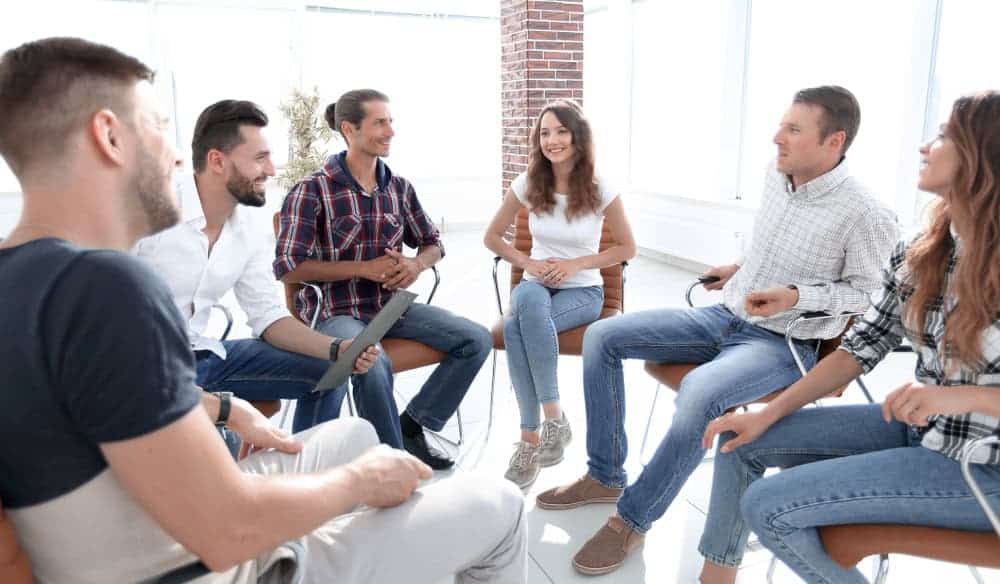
(419, 231)
(258, 293)
(297, 228)
(880, 329)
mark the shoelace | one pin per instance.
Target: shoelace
(550, 433)
(522, 456)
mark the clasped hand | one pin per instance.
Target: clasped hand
(553, 271)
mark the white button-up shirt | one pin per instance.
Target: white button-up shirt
(830, 238)
(240, 261)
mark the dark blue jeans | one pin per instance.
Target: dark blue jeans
(255, 370)
(466, 346)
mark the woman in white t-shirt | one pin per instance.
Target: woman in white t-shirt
(562, 287)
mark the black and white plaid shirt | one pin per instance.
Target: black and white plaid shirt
(881, 330)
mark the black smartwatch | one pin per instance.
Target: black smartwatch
(225, 406)
(335, 349)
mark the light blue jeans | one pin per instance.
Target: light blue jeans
(740, 363)
(537, 315)
(843, 465)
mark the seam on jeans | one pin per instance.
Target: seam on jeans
(717, 560)
(676, 475)
(264, 379)
(554, 346)
(599, 300)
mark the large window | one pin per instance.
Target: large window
(678, 92)
(863, 46)
(439, 61)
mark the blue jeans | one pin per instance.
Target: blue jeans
(466, 346)
(740, 362)
(844, 465)
(537, 315)
(255, 370)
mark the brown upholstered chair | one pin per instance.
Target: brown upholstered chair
(849, 544)
(671, 374)
(14, 565)
(571, 341)
(404, 354)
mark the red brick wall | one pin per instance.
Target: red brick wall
(541, 60)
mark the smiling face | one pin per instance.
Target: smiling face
(373, 136)
(556, 140)
(939, 163)
(248, 167)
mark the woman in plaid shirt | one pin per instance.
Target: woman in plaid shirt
(896, 462)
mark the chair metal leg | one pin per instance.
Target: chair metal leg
(864, 389)
(285, 406)
(649, 422)
(770, 569)
(493, 387)
(881, 565)
(976, 575)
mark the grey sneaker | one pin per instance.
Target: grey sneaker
(523, 465)
(556, 435)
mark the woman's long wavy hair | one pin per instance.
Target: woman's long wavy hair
(973, 206)
(583, 195)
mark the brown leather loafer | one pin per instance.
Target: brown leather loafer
(583, 491)
(607, 550)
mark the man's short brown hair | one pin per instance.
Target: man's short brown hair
(51, 87)
(841, 111)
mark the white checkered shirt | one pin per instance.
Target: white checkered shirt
(881, 330)
(830, 238)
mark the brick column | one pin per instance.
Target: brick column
(542, 60)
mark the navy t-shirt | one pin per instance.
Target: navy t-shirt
(92, 350)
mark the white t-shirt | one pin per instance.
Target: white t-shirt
(555, 237)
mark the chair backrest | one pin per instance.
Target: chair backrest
(14, 565)
(613, 278)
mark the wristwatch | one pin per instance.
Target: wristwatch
(335, 349)
(225, 406)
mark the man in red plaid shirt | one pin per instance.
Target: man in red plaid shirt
(343, 228)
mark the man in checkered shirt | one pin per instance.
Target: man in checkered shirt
(344, 228)
(820, 240)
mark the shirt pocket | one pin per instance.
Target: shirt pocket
(391, 230)
(345, 234)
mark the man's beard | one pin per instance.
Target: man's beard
(153, 189)
(241, 188)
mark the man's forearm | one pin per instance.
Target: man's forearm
(293, 336)
(324, 271)
(429, 255)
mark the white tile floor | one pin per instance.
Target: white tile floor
(669, 554)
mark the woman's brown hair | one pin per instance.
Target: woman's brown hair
(583, 197)
(973, 206)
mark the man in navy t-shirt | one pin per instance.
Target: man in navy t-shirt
(110, 468)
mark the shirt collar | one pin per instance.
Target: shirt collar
(336, 169)
(821, 185)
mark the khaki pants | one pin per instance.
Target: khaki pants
(469, 527)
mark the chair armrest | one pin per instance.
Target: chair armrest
(977, 492)
(496, 284)
(437, 280)
(805, 317)
(319, 295)
(229, 320)
(699, 282)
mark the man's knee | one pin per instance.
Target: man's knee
(478, 342)
(489, 499)
(602, 336)
(698, 400)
